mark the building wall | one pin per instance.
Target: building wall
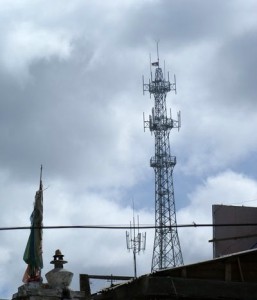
(232, 239)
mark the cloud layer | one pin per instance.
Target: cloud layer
(71, 99)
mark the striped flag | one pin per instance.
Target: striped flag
(33, 251)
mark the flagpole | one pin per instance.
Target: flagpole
(40, 182)
(41, 193)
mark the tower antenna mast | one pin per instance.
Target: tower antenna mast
(166, 250)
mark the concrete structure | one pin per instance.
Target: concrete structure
(232, 239)
(231, 277)
(59, 277)
(56, 288)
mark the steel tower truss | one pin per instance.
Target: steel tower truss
(166, 251)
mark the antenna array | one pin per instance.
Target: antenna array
(166, 250)
(136, 241)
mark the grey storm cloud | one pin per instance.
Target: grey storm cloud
(71, 99)
(235, 71)
(176, 24)
(66, 114)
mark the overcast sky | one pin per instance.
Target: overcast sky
(71, 99)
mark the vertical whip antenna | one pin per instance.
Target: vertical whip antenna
(157, 46)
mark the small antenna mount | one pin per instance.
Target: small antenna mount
(135, 241)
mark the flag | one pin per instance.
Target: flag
(33, 251)
(155, 64)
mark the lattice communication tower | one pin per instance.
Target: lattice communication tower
(166, 251)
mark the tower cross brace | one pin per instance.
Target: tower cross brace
(166, 250)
